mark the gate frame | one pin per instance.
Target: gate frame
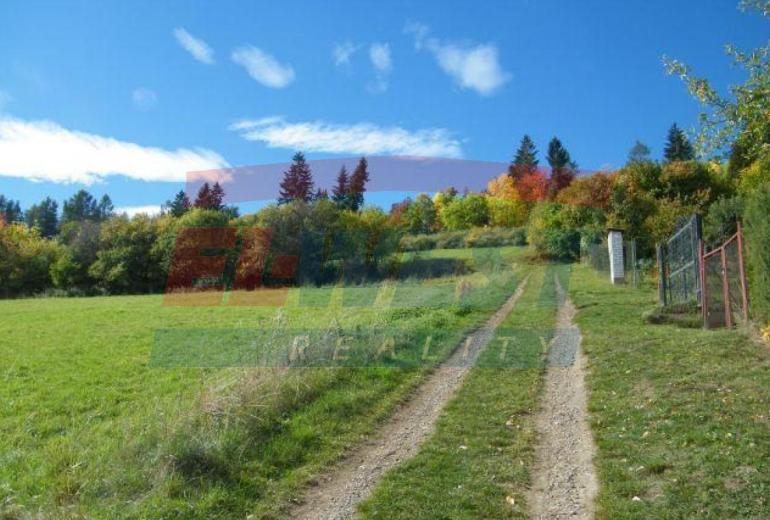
(722, 252)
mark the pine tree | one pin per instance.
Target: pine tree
(357, 185)
(10, 210)
(180, 205)
(81, 206)
(640, 152)
(340, 191)
(525, 161)
(44, 217)
(297, 183)
(562, 166)
(217, 197)
(321, 194)
(203, 199)
(678, 147)
(104, 209)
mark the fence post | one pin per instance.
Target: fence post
(726, 289)
(698, 227)
(742, 271)
(661, 274)
(704, 305)
(617, 263)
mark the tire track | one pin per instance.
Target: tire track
(400, 437)
(564, 479)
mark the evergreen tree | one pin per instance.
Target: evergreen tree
(562, 166)
(678, 147)
(10, 210)
(81, 206)
(357, 185)
(179, 205)
(340, 191)
(640, 152)
(297, 183)
(217, 197)
(321, 194)
(203, 200)
(525, 161)
(44, 216)
(104, 209)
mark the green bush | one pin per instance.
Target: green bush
(757, 232)
(561, 244)
(476, 237)
(25, 260)
(548, 234)
(466, 212)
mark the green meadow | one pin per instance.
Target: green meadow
(92, 426)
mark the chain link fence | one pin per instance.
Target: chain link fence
(679, 267)
(597, 256)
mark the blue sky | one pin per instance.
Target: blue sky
(124, 97)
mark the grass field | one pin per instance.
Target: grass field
(89, 429)
(681, 417)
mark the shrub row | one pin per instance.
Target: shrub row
(476, 237)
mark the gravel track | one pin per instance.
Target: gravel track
(564, 479)
(336, 494)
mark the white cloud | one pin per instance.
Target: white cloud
(379, 55)
(45, 151)
(136, 210)
(360, 138)
(472, 66)
(144, 98)
(263, 67)
(195, 46)
(342, 52)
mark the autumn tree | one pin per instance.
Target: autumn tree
(533, 187)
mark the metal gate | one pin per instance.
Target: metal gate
(679, 265)
(723, 277)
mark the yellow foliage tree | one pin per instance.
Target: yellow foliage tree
(503, 187)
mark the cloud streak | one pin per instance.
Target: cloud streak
(471, 66)
(137, 210)
(45, 151)
(263, 67)
(195, 46)
(360, 138)
(342, 52)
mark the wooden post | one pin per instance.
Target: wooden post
(742, 271)
(726, 288)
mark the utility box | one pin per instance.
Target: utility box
(615, 246)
